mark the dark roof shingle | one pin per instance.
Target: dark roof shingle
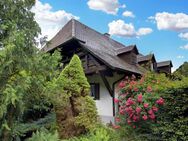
(164, 63)
(127, 49)
(141, 58)
(99, 44)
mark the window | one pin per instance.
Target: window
(152, 68)
(94, 91)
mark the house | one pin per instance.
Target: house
(105, 61)
(164, 67)
(148, 62)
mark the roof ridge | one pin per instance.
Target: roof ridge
(109, 38)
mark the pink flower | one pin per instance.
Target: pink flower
(129, 121)
(129, 110)
(116, 100)
(160, 101)
(134, 126)
(122, 84)
(116, 126)
(135, 118)
(149, 89)
(152, 116)
(138, 110)
(123, 95)
(144, 117)
(146, 105)
(129, 102)
(150, 112)
(117, 119)
(133, 83)
(121, 112)
(131, 115)
(139, 98)
(155, 109)
(136, 89)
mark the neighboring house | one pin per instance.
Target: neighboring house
(148, 62)
(164, 67)
(105, 61)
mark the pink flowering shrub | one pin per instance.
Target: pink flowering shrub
(138, 102)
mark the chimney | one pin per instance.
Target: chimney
(107, 35)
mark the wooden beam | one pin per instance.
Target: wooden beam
(94, 69)
(108, 72)
(106, 84)
(80, 54)
(86, 62)
(94, 60)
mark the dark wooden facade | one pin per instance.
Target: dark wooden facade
(164, 67)
(148, 62)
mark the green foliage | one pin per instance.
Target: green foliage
(73, 76)
(172, 118)
(24, 71)
(182, 70)
(44, 135)
(148, 90)
(20, 129)
(99, 134)
(88, 116)
(75, 109)
(31, 88)
(173, 121)
(139, 101)
(22, 88)
(17, 23)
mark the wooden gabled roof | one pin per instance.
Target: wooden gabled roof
(164, 63)
(142, 58)
(103, 47)
(127, 49)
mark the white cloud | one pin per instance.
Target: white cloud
(107, 6)
(50, 21)
(122, 29)
(123, 6)
(183, 35)
(180, 57)
(128, 14)
(170, 21)
(184, 47)
(144, 31)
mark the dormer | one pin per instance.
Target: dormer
(164, 67)
(128, 54)
(147, 61)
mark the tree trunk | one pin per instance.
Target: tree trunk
(66, 121)
(6, 135)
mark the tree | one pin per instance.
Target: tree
(182, 70)
(30, 86)
(75, 110)
(24, 71)
(16, 20)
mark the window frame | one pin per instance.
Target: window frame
(96, 95)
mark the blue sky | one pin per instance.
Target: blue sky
(155, 26)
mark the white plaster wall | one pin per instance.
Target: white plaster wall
(105, 104)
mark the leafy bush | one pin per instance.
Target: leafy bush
(44, 135)
(172, 123)
(139, 102)
(99, 134)
(75, 110)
